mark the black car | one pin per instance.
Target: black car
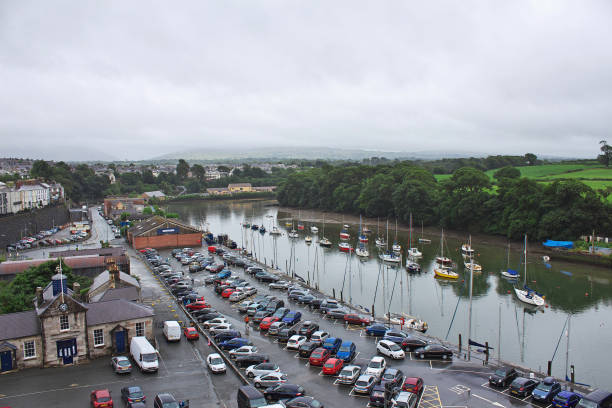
(285, 334)
(434, 351)
(412, 342)
(226, 335)
(503, 377)
(208, 316)
(316, 303)
(392, 376)
(522, 387)
(283, 391)
(295, 294)
(220, 288)
(202, 312)
(268, 278)
(306, 299)
(336, 313)
(307, 348)
(132, 394)
(303, 402)
(308, 328)
(253, 359)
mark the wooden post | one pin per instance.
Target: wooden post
(487, 352)
(334, 293)
(459, 344)
(341, 296)
(372, 310)
(572, 374)
(549, 370)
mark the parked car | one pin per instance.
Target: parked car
(596, 399)
(215, 322)
(546, 390)
(308, 328)
(226, 335)
(361, 320)
(197, 306)
(281, 312)
(434, 351)
(349, 374)
(337, 314)
(405, 400)
(132, 394)
(165, 400)
(243, 306)
(279, 285)
(503, 377)
(295, 342)
(261, 369)
(377, 330)
(376, 366)
(269, 380)
(332, 344)
(121, 365)
(306, 349)
(414, 385)
(243, 351)
(285, 334)
(276, 327)
(283, 391)
(234, 343)
(347, 351)
(566, 399)
(303, 402)
(267, 322)
(364, 384)
(522, 387)
(101, 399)
(319, 336)
(191, 333)
(392, 376)
(412, 342)
(390, 349)
(319, 356)
(253, 359)
(377, 396)
(333, 366)
(292, 317)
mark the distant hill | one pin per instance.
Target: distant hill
(323, 153)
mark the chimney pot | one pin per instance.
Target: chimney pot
(39, 296)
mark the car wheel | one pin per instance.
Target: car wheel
(250, 375)
(257, 385)
(422, 356)
(444, 356)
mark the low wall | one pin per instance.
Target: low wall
(15, 227)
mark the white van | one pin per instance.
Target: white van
(172, 330)
(143, 354)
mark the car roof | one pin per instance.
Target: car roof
(567, 394)
(549, 380)
(102, 393)
(377, 358)
(214, 355)
(347, 343)
(365, 377)
(166, 397)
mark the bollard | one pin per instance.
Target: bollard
(334, 293)
(459, 344)
(487, 353)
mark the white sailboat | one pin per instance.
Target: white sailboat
(397, 248)
(442, 268)
(380, 241)
(509, 273)
(293, 233)
(527, 295)
(324, 242)
(361, 250)
(412, 252)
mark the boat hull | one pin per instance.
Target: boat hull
(530, 299)
(445, 274)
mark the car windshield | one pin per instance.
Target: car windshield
(544, 387)
(259, 402)
(375, 364)
(123, 363)
(501, 373)
(216, 360)
(394, 347)
(172, 404)
(561, 398)
(149, 358)
(348, 373)
(137, 394)
(345, 349)
(104, 399)
(388, 376)
(587, 404)
(329, 365)
(361, 383)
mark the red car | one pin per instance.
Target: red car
(333, 366)
(212, 249)
(191, 333)
(267, 322)
(361, 320)
(101, 399)
(413, 384)
(227, 292)
(319, 356)
(197, 305)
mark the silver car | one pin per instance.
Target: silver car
(269, 380)
(262, 369)
(364, 384)
(121, 365)
(243, 306)
(349, 374)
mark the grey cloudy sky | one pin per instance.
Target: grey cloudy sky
(137, 79)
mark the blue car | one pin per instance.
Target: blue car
(347, 351)
(377, 330)
(223, 274)
(292, 317)
(566, 399)
(234, 343)
(546, 390)
(332, 344)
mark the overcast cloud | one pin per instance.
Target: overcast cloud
(130, 79)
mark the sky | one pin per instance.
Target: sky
(85, 79)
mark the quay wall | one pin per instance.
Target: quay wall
(15, 227)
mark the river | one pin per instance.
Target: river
(529, 338)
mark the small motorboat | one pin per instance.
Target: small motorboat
(397, 248)
(414, 253)
(314, 229)
(345, 247)
(467, 250)
(275, 231)
(442, 260)
(344, 234)
(293, 234)
(390, 256)
(413, 267)
(473, 265)
(380, 242)
(416, 324)
(510, 274)
(324, 242)
(308, 240)
(362, 251)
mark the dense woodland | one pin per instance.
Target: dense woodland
(469, 201)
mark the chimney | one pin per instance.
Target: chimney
(39, 296)
(113, 273)
(76, 288)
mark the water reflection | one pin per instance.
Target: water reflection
(525, 336)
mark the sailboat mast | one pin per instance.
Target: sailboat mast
(410, 233)
(525, 255)
(569, 319)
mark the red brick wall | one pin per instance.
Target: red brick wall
(168, 241)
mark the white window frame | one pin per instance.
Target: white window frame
(98, 333)
(27, 356)
(64, 323)
(139, 329)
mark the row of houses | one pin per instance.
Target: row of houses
(28, 194)
(239, 188)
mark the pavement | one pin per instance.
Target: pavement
(450, 384)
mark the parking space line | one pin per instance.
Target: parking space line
(352, 394)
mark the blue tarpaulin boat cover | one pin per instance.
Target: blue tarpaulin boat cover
(512, 272)
(558, 244)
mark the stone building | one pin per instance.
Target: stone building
(64, 330)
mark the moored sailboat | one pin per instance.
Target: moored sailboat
(527, 295)
(442, 269)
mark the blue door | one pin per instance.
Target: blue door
(6, 360)
(66, 349)
(120, 341)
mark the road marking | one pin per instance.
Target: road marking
(459, 389)
(353, 394)
(494, 403)
(430, 398)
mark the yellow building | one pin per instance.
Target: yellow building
(240, 188)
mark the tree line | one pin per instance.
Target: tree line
(469, 200)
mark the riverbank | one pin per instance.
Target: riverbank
(433, 233)
(232, 197)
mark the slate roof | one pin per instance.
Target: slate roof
(129, 293)
(87, 261)
(156, 222)
(116, 311)
(104, 277)
(17, 325)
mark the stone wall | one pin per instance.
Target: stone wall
(14, 227)
(109, 347)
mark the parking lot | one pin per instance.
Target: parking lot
(456, 383)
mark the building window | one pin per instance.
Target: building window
(64, 324)
(140, 329)
(98, 337)
(29, 349)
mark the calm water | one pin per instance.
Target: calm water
(528, 337)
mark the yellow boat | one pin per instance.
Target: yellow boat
(445, 273)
